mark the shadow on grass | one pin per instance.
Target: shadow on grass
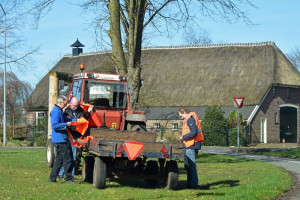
(224, 183)
(213, 158)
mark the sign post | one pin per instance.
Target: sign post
(238, 103)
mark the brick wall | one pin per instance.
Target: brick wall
(270, 107)
(166, 132)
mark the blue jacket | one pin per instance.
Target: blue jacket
(192, 125)
(59, 125)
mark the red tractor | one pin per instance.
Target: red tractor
(120, 144)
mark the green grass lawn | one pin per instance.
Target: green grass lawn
(290, 153)
(24, 175)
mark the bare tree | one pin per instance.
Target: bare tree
(294, 57)
(17, 95)
(18, 54)
(192, 37)
(125, 21)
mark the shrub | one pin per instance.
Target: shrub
(214, 127)
(40, 139)
(232, 122)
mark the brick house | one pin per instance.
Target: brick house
(202, 76)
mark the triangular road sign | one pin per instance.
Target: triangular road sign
(238, 101)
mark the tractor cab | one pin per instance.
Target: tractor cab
(109, 95)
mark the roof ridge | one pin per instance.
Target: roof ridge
(188, 47)
(213, 45)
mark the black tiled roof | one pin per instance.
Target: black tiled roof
(171, 113)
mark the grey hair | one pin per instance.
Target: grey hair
(61, 99)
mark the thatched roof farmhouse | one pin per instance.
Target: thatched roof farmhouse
(201, 76)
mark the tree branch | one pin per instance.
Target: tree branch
(157, 11)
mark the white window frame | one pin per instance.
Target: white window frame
(263, 130)
(156, 125)
(37, 117)
(174, 126)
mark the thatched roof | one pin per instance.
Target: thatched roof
(193, 75)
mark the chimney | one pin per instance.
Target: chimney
(76, 51)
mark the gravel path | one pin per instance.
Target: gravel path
(291, 165)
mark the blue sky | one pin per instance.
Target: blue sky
(277, 21)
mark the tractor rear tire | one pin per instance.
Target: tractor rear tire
(99, 177)
(151, 169)
(88, 169)
(50, 153)
(171, 175)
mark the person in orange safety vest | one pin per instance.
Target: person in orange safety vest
(192, 137)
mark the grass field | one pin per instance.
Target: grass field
(24, 175)
(290, 153)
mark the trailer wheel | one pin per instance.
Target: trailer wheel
(99, 177)
(151, 169)
(171, 175)
(50, 154)
(87, 169)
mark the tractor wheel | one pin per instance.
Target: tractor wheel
(50, 154)
(99, 177)
(151, 169)
(171, 175)
(88, 169)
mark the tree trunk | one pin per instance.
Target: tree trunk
(135, 12)
(115, 36)
(136, 19)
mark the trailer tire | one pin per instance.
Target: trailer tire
(151, 169)
(88, 169)
(171, 175)
(99, 177)
(50, 153)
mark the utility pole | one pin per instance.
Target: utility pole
(4, 82)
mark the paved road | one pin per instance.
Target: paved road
(289, 164)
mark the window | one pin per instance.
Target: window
(105, 94)
(156, 125)
(76, 89)
(174, 126)
(39, 116)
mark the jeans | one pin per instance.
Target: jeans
(191, 168)
(63, 158)
(74, 151)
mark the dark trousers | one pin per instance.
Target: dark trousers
(63, 158)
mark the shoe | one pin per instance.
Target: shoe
(50, 180)
(60, 177)
(72, 181)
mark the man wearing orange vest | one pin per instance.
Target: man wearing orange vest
(191, 137)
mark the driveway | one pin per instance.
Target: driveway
(292, 165)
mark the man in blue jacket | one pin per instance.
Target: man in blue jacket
(60, 141)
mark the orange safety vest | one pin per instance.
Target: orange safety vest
(81, 127)
(186, 130)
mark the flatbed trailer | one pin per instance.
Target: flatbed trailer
(132, 157)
